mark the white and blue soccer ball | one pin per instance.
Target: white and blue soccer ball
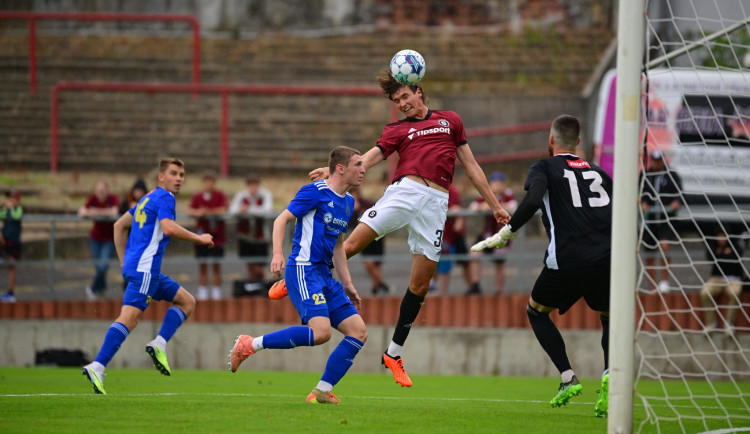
(407, 67)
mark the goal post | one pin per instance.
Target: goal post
(624, 216)
(680, 324)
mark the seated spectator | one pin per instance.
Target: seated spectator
(725, 279)
(102, 207)
(252, 231)
(10, 240)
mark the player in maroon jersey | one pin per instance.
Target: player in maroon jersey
(427, 142)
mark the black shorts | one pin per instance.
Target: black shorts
(563, 288)
(375, 248)
(654, 233)
(12, 250)
(202, 251)
(246, 249)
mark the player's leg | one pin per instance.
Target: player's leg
(602, 402)
(549, 294)
(596, 293)
(342, 357)
(361, 236)
(133, 305)
(183, 305)
(304, 286)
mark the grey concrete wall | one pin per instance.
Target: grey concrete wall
(205, 346)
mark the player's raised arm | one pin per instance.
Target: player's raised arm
(371, 158)
(476, 175)
(173, 230)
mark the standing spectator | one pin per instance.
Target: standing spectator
(10, 240)
(726, 278)
(660, 201)
(252, 234)
(131, 199)
(507, 200)
(454, 243)
(374, 249)
(209, 206)
(102, 207)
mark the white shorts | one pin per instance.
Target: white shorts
(420, 208)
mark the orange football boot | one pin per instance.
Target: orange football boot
(317, 396)
(278, 290)
(396, 365)
(243, 348)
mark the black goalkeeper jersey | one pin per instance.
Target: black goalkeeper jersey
(576, 210)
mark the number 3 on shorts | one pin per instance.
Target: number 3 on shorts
(319, 298)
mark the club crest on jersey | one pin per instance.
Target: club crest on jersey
(372, 214)
(443, 122)
(578, 164)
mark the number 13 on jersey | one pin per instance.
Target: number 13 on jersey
(595, 186)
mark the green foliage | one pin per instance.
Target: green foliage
(726, 51)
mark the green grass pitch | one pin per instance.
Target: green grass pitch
(61, 400)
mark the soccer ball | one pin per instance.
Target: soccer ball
(407, 67)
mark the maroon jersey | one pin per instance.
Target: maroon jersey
(102, 230)
(425, 147)
(212, 224)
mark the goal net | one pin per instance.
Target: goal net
(692, 318)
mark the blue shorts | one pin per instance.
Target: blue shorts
(144, 287)
(314, 292)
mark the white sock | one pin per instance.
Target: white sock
(394, 349)
(98, 368)
(160, 342)
(567, 376)
(324, 386)
(258, 343)
(606, 371)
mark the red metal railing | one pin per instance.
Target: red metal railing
(224, 90)
(32, 17)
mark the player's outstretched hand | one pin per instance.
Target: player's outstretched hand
(207, 239)
(319, 173)
(499, 240)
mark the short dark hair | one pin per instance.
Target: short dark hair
(390, 85)
(165, 162)
(340, 155)
(567, 130)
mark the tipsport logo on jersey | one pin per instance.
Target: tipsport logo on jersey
(443, 128)
(334, 224)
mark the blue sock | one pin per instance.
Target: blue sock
(173, 319)
(295, 336)
(112, 340)
(341, 359)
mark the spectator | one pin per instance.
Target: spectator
(374, 251)
(726, 278)
(209, 206)
(507, 199)
(102, 207)
(10, 240)
(252, 234)
(131, 199)
(454, 243)
(660, 201)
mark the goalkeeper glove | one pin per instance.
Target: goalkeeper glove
(499, 240)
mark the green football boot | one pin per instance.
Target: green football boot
(94, 379)
(159, 358)
(600, 409)
(566, 391)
